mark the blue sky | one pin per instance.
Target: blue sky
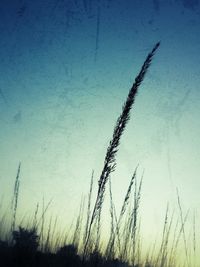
(66, 68)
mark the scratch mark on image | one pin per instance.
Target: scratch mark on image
(3, 97)
(85, 5)
(169, 166)
(54, 8)
(22, 10)
(17, 117)
(180, 107)
(156, 5)
(97, 31)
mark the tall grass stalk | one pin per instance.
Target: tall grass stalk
(35, 217)
(173, 246)
(77, 230)
(98, 233)
(110, 253)
(42, 221)
(194, 238)
(110, 158)
(183, 227)
(47, 243)
(89, 208)
(53, 231)
(14, 203)
(161, 255)
(127, 197)
(165, 258)
(116, 232)
(134, 217)
(178, 237)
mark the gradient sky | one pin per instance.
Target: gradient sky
(66, 68)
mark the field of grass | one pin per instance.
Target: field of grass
(36, 242)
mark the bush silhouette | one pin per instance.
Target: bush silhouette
(25, 246)
(26, 240)
(68, 256)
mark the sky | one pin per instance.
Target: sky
(66, 69)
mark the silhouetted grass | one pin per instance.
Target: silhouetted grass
(110, 158)
(39, 244)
